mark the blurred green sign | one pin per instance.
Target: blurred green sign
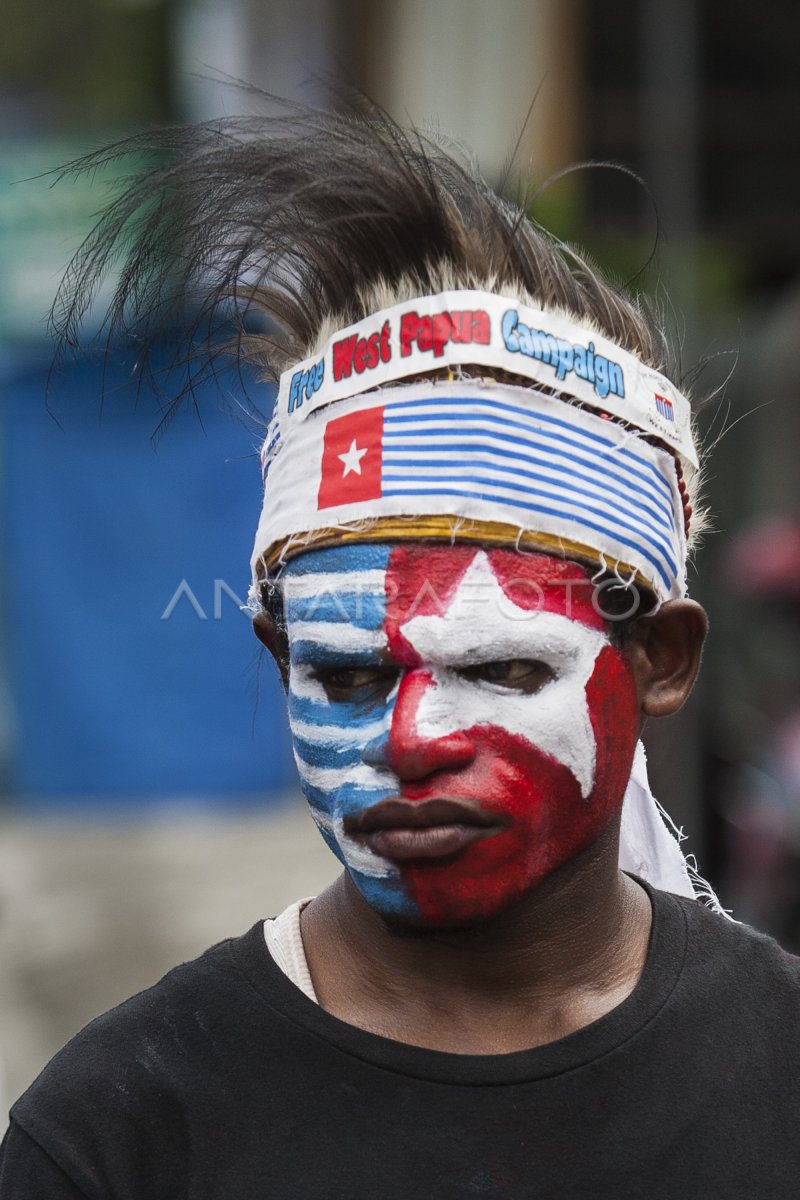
(42, 223)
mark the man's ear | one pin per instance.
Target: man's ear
(274, 638)
(664, 650)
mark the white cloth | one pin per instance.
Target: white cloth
(285, 944)
(647, 847)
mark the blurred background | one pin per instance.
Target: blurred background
(148, 802)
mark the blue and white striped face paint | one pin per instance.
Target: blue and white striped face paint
(335, 608)
(416, 677)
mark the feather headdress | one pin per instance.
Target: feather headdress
(315, 219)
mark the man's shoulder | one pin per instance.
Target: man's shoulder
(723, 935)
(738, 966)
(140, 1045)
(128, 1096)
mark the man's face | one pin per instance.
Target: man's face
(461, 722)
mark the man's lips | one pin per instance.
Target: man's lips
(409, 830)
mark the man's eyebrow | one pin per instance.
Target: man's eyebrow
(503, 650)
(544, 635)
(329, 654)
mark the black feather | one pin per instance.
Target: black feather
(255, 231)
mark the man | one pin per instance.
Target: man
(470, 570)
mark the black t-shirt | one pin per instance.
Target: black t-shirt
(225, 1082)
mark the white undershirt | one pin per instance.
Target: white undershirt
(285, 944)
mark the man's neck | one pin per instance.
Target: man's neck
(566, 955)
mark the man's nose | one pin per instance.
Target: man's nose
(409, 751)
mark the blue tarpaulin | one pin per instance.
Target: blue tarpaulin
(133, 675)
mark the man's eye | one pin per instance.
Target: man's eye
(522, 674)
(343, 682)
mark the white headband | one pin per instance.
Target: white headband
(471, 328)
(482, 451)
(493, 454)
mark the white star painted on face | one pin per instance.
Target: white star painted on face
(352, 459)
(482, 624)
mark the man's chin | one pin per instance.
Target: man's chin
(416, 928)
(416, 925)
(404, 920)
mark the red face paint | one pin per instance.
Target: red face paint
(585, 718)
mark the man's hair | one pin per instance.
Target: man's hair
(314, 220)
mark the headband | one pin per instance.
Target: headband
(588, 463)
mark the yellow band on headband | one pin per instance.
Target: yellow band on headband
(442, 529)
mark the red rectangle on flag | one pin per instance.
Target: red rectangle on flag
(352, 459)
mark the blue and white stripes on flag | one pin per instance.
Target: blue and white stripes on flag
(542, 464)
(665, 407)
(488, 452)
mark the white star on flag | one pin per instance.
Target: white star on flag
(352, 459)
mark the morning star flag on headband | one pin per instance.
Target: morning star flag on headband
(546, 464)
(352, 456)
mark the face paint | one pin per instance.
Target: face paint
(461, 722)
(335, 610)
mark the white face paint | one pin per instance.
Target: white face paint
(482, 624)
(398, 654)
